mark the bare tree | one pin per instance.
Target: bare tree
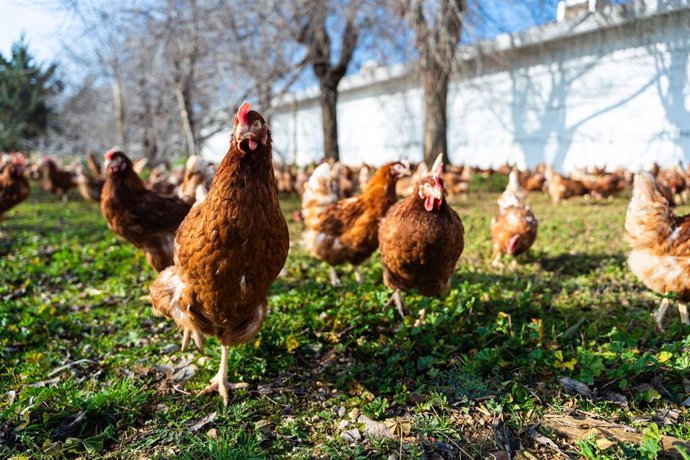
(308, 20)
(437, 29)
(104, 28)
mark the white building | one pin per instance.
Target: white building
(605, 87)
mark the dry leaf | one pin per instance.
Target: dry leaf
(195, 426)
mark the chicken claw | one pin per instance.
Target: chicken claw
(195, 335)
(399, 304)
(219, 383)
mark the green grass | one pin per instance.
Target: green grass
(493, 350)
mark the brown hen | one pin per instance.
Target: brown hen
(54, 179)
(14, 187)
(660, 243)
(229, 249)
(421, 239)
(137, 214)
(514, 228)
(347, 231)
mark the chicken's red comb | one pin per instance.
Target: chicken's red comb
(437, 167)
(109, 154)
(18, 159)
(242, 112)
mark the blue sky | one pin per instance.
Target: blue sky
(41, 24)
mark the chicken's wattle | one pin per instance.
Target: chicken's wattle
(512, 244)
(429, 203)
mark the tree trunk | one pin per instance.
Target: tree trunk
(187, 123)
(435, 119)
(119, 108)
(329, 102)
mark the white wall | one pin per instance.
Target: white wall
(614, 96)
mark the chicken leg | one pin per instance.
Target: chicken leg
(399, 304)
(496, 263)
(660, 313)
(219, 383)
(335, 281)
(683, 310)
(358, 275)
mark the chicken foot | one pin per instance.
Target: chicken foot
(660, 313)
(335, 281)
(399, 304)
(195, 335)
(219, 383)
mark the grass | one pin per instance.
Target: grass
(87, 371)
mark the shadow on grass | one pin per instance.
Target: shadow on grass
(579, 263)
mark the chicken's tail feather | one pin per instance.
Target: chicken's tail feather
(649, 221)
(514, 194)
(166, 295)
(319, 192)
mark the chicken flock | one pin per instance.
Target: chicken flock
(218, 239)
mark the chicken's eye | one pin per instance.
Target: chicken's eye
(256, 124)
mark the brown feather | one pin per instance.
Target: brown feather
(419, 248)
(141, 216)
(229, 250)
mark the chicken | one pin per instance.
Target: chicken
(229, 250)
(457, 181)
(89, 187)
(660, 245)
(320, 191)
(54, 179)
(532, 181)
(673, 183)
(139, 165)
(421, 240)
(514, 228)
(14, 187)
(560, 188)
(137, 214)
(364, 176)
(162, 181)
(407, 185)
(198, 173)
(347, 230)
(94, 166)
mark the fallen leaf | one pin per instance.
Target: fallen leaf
(351, 435)
(184, 373)
(574, 387)
(291, 343)
(195, 426)
(579, 427)
(374, 428)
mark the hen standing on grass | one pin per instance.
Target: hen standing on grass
(660, 243)
(421, 240)
(137, 214)
(229, 250)
(54, 179)
(14, 187)
(514, 228)
(346, 231)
